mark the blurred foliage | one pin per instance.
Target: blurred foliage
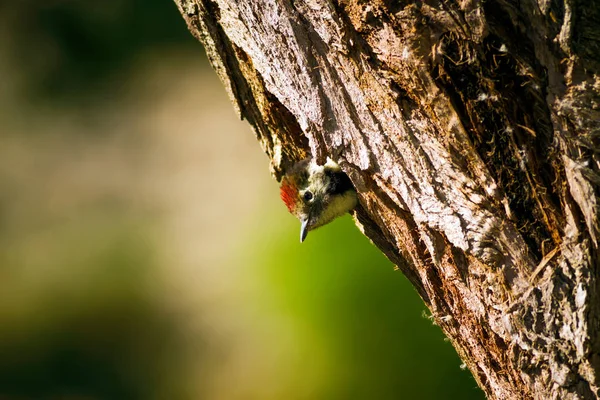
(362, 320)
(88, 304)
(75, 51)
(86, 326)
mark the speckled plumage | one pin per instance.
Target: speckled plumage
(317, 194)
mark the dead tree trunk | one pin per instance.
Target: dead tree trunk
(471, 131)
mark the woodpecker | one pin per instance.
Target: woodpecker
(317, 194)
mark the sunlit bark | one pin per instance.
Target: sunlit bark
(470, 130)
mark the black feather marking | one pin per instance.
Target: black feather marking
(338, 182)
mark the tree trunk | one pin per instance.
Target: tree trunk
(471, 132)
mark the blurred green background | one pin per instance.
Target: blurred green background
(144, 252)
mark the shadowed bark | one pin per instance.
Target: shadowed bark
(471, 132)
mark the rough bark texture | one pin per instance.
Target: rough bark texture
(471, 131)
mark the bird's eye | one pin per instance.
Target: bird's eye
(308, 195)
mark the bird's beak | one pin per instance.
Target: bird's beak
(303, 230)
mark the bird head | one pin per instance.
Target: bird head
(317, 194)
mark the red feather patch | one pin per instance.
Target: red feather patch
(289, 194)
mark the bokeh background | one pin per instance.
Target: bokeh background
(144, 251)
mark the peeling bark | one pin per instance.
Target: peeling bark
(471, 132)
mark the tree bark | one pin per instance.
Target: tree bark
(471, 132)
